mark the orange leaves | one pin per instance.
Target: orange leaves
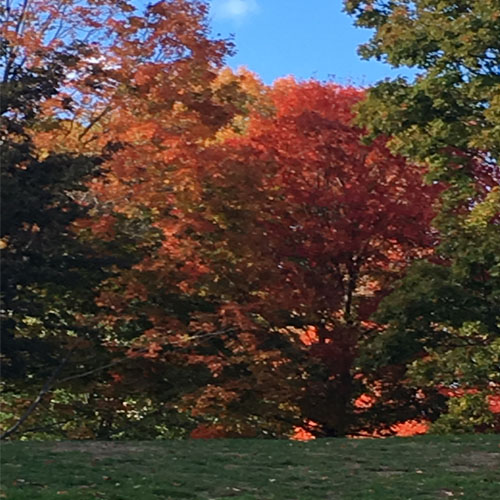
(153, 351)
(335, 202)
(365, 401)
(136, 290)
(493, 399)
(309, 336)
(146, 73)
(213, 396)
(236, 207)
(194, 268)
(494, 403)
(303, 434)
(291, 98)
(117, 377)
(137, 133)
(292, 218)
(233, 314)
(410, 428)
(111, 300)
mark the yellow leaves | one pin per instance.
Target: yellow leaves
(213, 396)
(247, 80)
(63, 136)
(482, 214)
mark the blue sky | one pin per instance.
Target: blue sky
(313, 38)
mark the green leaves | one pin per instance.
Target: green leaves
(453, 100)
(444, 317)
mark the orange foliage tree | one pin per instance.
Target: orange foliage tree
(288, 225)
(138, 93)
(324, 225)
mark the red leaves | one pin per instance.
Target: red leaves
(494, 403)
(410, 428)
(332, 203)
(205, 431)
(102, 228)
(493, 399)
(297, 217)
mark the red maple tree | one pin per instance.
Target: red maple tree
(316, 226)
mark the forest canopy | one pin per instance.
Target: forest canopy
(187, 251)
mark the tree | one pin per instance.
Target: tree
(271, 225)
(74, 76)
(307, 229)
(444, 317)
(41, 260)
(452, 105)
(188, 316)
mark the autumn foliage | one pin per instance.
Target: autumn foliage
(287, 229)
(233, 239)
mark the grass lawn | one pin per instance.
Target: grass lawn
(424, 467)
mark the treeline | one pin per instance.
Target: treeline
(187, 251)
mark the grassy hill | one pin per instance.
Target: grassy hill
(424, 467)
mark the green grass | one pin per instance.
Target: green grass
(426, 467)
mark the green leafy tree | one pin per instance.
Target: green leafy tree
(444, 318)
(47, 274)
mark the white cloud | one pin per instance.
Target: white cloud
(235, 10)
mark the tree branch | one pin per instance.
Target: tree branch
(32, 407)
(141, 351)
(106, 110)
